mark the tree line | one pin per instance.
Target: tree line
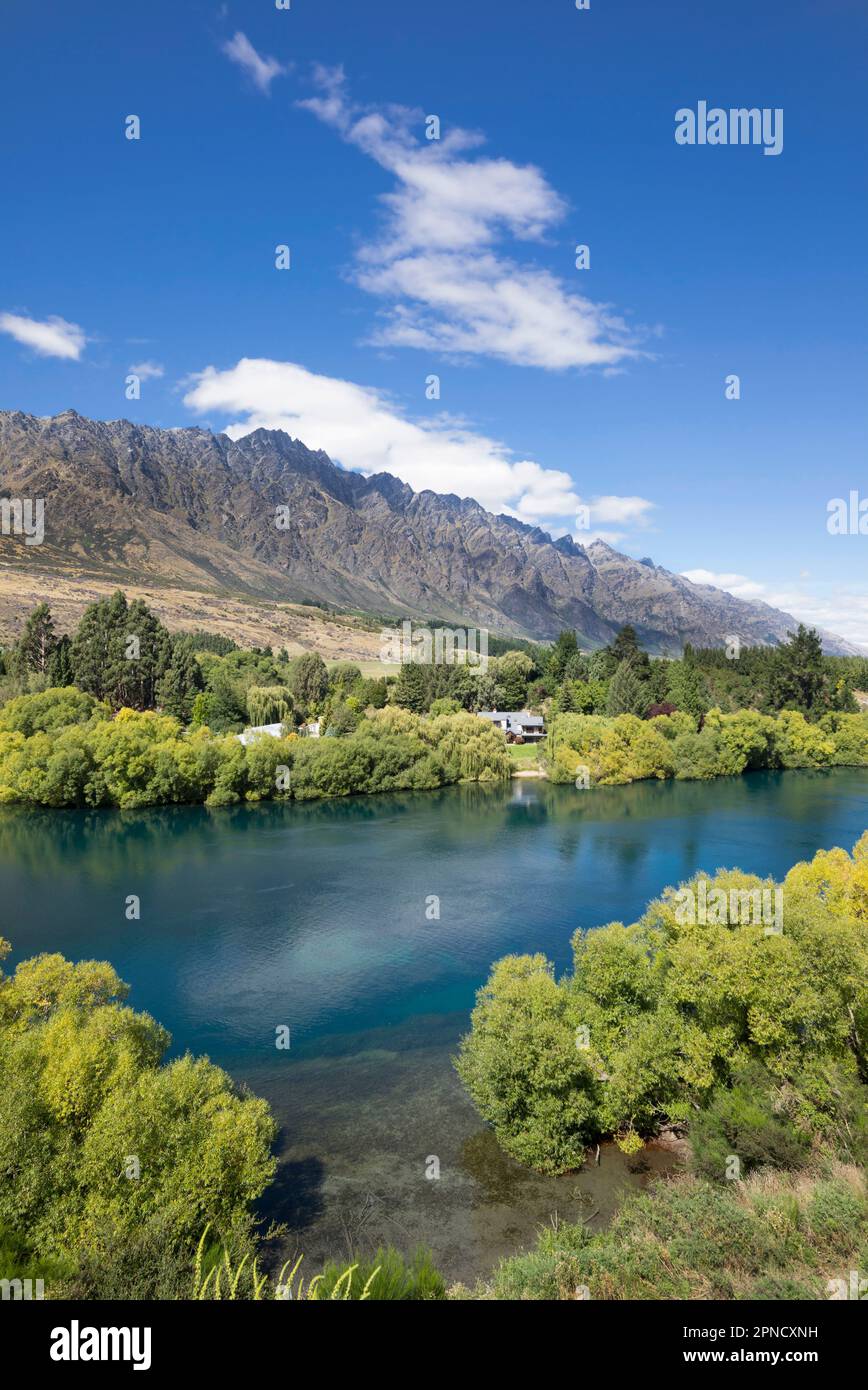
(62, 747)
(122, 654)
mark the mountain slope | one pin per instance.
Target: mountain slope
(189, 509)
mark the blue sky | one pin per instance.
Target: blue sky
(410, 257)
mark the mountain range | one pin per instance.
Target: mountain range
(264, 517)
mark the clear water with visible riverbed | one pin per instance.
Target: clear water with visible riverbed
(314, 916)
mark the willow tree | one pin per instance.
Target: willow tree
(269, 704)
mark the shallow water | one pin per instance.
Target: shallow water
(314, 917)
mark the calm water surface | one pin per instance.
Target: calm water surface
(314, 916)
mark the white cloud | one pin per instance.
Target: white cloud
(837, 608)
(262, 71)
(736, 584)
(359, 427)
(630, 512)
(491, 306)
(52, 337)
(633, 511)
(449, 289)
(842, 609)
(146, 370)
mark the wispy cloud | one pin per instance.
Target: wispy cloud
(145, 371)
(736, 584)
(262, 71)
(629, 514)
(632, 511)
(439, 259)
(363, 430)
(839, 608)
(53, 337)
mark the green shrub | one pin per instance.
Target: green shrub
(742, 1121)
(104, 1146)
(149, 1263)
(49, 711)
(523, 1069)
(537, 1275)
(661, 1018)
(627, 749)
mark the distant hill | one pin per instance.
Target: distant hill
(190, 510)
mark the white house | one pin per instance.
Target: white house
(520, 726)
(311, 730)
(273, 730)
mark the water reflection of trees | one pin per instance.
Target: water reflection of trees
(45, 842)
(42, 841)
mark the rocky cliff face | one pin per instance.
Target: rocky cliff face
(267, 517)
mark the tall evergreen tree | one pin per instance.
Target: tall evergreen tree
(60, 665)
(686, 688)
(181, 683)
(37, 642)
(798, 678)
(576, 668)
(147, 654)
(410, 690)
(226, 698)
(601, 666)
(564, 648)
(120, 652)
(658, 680)
(512, 671)
(97, 650)
(565, 700)
(625, 647)
(309, 681)
(628, 693)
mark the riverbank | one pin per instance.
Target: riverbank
(62, 748)
(775, 1237)
(593, 750)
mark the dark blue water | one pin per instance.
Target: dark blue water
(314, 917)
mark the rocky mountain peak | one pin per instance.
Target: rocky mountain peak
(189, 508)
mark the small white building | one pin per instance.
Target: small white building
(520, 726)
(273, 731)
(311, 730)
